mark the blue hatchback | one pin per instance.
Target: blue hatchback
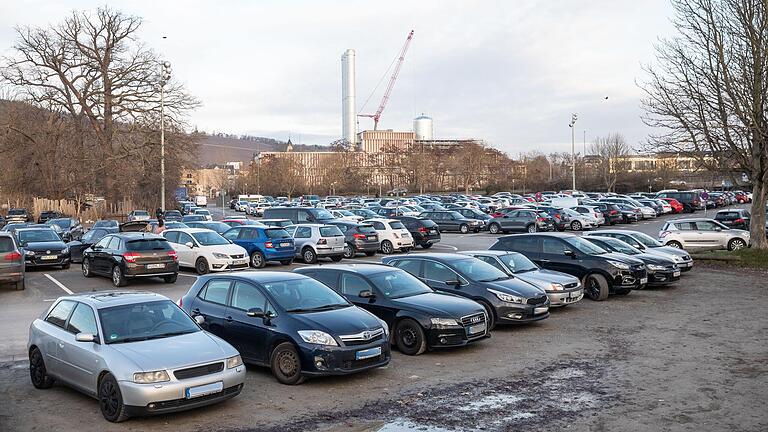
(263, 243)
(289, 322)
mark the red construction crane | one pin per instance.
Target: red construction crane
(376, 116)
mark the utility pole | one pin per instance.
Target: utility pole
(165, 75)
(572, 125)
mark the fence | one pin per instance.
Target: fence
(86, 211)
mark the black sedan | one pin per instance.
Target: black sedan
(43, 248)
(76, 247)
(289, 322)
(419, 317)
(68, 228)
(506, 300)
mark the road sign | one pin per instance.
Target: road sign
(705, 195)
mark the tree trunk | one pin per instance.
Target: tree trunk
(757, 221)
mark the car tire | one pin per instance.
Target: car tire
(410, 337)
(494, 228)
(490, 314)
(285, 364)
(287, 262)
(386, 247)
(37, 372)
(337, 258)
(622, 291)
(201, 266)
(674, 244)
(349, 251)
(66, 266)
(87, 268)
(532, 228)
(427, 245)
(370, 253)
(20, 285)
(118, 278)
(576, 226)
(464, 229)
(257, 260)
(308, 255)
(111, 400)
(736, 244)
(596, 287)
(169, 279)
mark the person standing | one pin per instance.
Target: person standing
(160, 226)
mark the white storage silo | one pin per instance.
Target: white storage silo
(422, 127)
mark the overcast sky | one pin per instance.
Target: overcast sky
(508, 72)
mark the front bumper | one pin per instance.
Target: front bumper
(231, 264)
(169, 396)
(663, 277)
(512, 313)
(319, 360)
(630, 279)
(564, 298)
(38, 261)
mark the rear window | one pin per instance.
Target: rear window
(727, 216)
(6, 244)
(277, 233)
(141, 213)
(330, 231)
(367, 229)
(147, 245)
(16, 212)
(397, 225)
(428, 223)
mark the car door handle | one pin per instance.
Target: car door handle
(196, 311)
(61, 345)
(228, 319)
(544, 260)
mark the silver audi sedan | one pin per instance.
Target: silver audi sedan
(138, 353)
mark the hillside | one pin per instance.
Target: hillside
(220, 148)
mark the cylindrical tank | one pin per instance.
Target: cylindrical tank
(422, 127)
(348, 110)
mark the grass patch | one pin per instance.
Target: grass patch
(745, 258)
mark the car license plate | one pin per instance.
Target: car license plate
(676, 273)
(475, 329)
(338, 249)
(540, 310)
(203, 390)
(643, 280)
(49, 257)
(432, 232)
(575, 294)
(372, 238)
(242, 261)
(285, 244)
(369, 353)
(155, 266)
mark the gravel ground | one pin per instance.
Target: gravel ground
(691, 357)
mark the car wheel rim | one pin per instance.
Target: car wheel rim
(347, 251)
(386, 247)
(738, 244)
(35, 368)
(85, 268)
(593, 287)
(116, 275)
(308, 256)
(200, 267)
(109, 400)
(408, 337)
(494, 229)
(464, 229)
(532, 228)
(287, 363)
(576, 226)
(256, 260)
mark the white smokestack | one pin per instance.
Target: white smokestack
(348, 108)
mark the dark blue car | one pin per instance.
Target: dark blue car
(263, 243)
(291, 323)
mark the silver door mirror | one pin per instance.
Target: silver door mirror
(189, 245)
(85, 337)
(199, 319)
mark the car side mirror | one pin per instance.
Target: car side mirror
(718, 229)
(256, 313)
(189, 245)
(453, 282)
(85, 337)
(199, 319)
(570, 253)
(366, 294)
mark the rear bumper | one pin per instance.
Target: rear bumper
(365, 246)
(12, 274)
(140, 270)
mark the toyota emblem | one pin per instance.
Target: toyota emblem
(366, 335)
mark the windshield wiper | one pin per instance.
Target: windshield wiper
(131, 339)
(495, 279)
(319, 308)
(169, 334)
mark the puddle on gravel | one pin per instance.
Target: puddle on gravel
(402, 425)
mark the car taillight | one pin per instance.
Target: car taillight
(131, 256)
(423, 230)
(664, 234)
(12, 256)
(613, 212)
(557, 216)
(179, 302)
(739, 220)
(173, 255)
(269, 245)
(322, 241)
(541, 219)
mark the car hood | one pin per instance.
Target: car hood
(439, 305)
(649, 258)
(542, 278)
(229, 249)
(345, 321)
(626, 259)
(515, 286)
(668, 250)
(40, 246)
(176, 351)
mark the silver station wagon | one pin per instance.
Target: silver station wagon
(138, 353)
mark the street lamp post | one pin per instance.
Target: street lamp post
(572, 125)
(165, 76)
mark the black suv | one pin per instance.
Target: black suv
(418, 317)
(691, 201)
(451, 220)
(601, 272)
(424, 231)
(736, 218)
(358, 238)
(611, 212)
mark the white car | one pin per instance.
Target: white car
(258, 209)
(204, 212)
(392, 234)
(580, 221)
(592, 212)
(241, 206)
(206, 250)
(346, 215)
(138, 215)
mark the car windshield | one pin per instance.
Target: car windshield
(518, 263)
(202, 212)
(399, 284)
(219, 227)
(321, 214)
(38, 235)
(584, 246)
(142, 321)
(478, 270)
(61, 223)
(646, 240)
(620, 246)
(140, 213)
(346, 212)
(105, 224)
(305, 295)
(276, 233)
(366, 213)
(16, 212)
(209, 238)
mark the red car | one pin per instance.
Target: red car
(741, 197)
(675, 204)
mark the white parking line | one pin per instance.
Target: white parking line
(61, 285)
(446, 246)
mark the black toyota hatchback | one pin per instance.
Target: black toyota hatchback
(507, 300)
(418, 317)
(601, 272)
(291, 323)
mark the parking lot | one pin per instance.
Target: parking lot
(689, 357)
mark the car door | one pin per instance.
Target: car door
(507, 221)
(690, 235)
(301, 237)
(438, 275)
(52, 335)
(80, 361)
(211, 303)
(711, 234)
(553, 255)
(249, 335)
(98, 260)
(187, 255)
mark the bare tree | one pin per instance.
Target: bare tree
(612, 152)
(709, 92)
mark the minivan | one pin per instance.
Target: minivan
(691, 201)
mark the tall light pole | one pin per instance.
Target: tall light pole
(165, 76)
(572, 125)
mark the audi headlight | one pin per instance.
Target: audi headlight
(29, 253)
(220, 255)
(676, 258)
(509, 298)
(556, 287)
(444, 322)
(234, 362)
(654, 267)
(150, 377)
(65, 250)
(619, 265)
(317, 337)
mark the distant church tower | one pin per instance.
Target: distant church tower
(289, 146)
